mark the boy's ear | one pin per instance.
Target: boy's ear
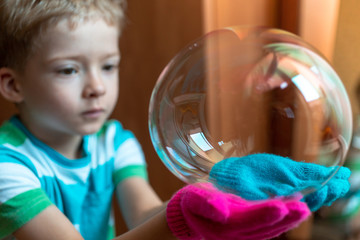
(10, 87)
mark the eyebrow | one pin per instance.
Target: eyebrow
(117, 54)
(79, 57)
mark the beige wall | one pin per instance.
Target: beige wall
(332, 26)
(318, 22)
(347, 48)
(225, 13)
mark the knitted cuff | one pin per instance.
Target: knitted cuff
(176, 221)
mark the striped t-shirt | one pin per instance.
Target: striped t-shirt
(33, 176)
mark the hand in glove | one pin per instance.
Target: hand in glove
(200, 211)
(260, 176)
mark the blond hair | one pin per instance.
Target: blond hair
(22, 21)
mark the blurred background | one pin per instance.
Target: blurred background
(157, 29)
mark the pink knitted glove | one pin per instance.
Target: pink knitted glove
(200, 211)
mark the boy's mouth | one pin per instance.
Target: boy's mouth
(93, 113)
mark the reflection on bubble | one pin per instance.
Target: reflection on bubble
(239, 91)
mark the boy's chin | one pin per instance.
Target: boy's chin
(93, 128)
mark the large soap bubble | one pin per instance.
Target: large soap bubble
(239, 91)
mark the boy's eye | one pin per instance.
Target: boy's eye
(109, 67)
(68, 71)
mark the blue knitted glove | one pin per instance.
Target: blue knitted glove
(260, 176)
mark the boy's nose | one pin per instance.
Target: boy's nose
(94, 87)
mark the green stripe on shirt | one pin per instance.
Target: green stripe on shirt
(11, 135)
(20, 209)
(130, 171)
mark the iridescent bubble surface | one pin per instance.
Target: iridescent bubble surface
(239, 91)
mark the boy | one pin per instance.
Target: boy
(61, 159)
(64, 81)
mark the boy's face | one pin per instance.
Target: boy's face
(70, 84)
